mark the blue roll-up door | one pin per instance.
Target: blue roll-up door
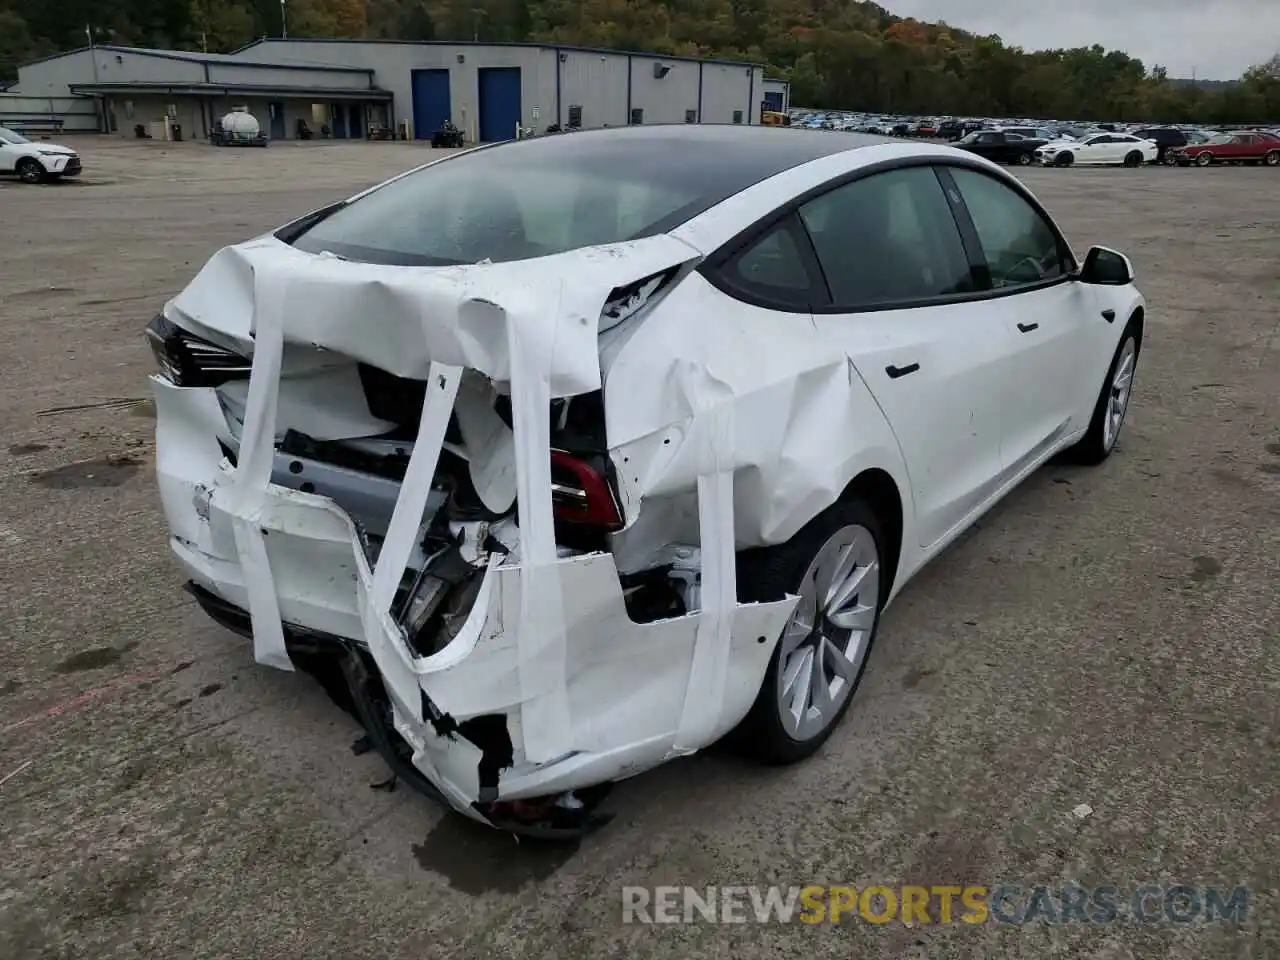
(499, 103)
(431, 105)
(774, 99)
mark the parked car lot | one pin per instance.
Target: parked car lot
(1066, 652)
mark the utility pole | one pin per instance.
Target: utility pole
(284, 28)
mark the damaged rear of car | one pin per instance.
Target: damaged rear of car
(472, 448)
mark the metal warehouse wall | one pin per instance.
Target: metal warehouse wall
(668, 98)
(596, 82)
(726, 88)
(52, 77)
(78, 114)
(316, 79)
(604, 84)
(128, 110)
(395, 63)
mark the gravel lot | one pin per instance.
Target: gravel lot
(1106, 637)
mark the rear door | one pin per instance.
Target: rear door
(1044, 311)
(1250, 146)
(901, 289)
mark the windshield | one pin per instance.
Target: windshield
(8, 136)
(547, 195)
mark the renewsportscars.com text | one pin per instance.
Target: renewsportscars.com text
(939, 903)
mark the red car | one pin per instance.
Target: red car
(1247, 147)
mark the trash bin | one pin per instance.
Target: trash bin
(140, 131)
(177, 132)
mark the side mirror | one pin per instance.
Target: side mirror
(1106, 267)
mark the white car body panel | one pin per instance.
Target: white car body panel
(728, 425)
(53, 157)
(1101, 149)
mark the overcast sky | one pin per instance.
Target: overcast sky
(1217, 39)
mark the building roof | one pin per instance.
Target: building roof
(267, 41)
(197, 89)
(195, 56)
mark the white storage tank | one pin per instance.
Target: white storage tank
(241, 124)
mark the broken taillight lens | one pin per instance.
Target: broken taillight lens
(582, 494)
(191, 361)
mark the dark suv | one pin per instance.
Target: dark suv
(1166, 138)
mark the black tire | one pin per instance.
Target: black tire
(1024, 160)
(1204, 159)
(1064, 159)
(1093, 447)
(1133, 159)
(29, 170)
(1169, 159)
(770, 574)
(1272, 159)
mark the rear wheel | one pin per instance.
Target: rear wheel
(1065, 159)
(1170, 158)
(834, 565)
(29, 170)
(1272, 159)
(1204, 159)
(1024, 160)
(1134, 159)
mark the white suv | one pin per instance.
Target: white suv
(35, 162)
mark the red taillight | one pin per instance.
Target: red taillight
(581, 494)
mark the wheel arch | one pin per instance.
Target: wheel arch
(880, 491)
(1137, 320)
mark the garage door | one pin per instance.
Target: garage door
(499, 103)
(431, 106)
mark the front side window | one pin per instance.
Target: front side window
(890, 238)
(1019, 245)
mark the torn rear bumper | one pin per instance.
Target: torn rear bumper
(619, 687)
(572, 691)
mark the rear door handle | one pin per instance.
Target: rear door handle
(1108, 315)
(896, 372)
(1028, 327)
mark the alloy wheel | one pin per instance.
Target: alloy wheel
(1121, 387)
(827, 638)
(29, 172)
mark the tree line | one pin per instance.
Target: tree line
(837, 54)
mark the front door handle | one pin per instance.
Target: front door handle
(1028, 327)
(896, 372)
(1108, 315)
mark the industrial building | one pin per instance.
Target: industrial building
(347, 88)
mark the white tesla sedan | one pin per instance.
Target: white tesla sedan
(1101, 149)
(557, 459)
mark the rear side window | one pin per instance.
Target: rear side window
(890, 238)
(774, 269)
(1019, 245)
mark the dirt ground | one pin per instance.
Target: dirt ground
(1106, 637)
